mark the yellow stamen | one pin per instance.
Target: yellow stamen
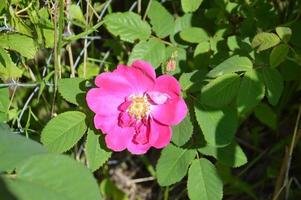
(139, 107)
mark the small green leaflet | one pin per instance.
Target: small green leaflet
(110, 191)
(194, 35)
(173, 164)
(4, 99)
(92, 69)
(220, 91)
(266, 115)
(273, 82)
(12, 42)
(71, 89)
(233, 64)
(8, 69)
(182, 132)
(278, 54)
(96, 154)
(51, 176)
(231, 155)
(284, 33)
(162, 21)
(265, 41)
(190, 5)
(250, 93)
(183, 22)
(186, 80)
(76, 15)
(203, 181)
(202, 47)
(64, 131)
(218, 126)
(128, 25)
(152, 51)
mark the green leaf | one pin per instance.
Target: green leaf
(278, 55)
(273, 82)
(216, 40)
(203, 181)
(70, 89)
(182, 132)
(50, 176)
(233, 64)
(182, 22)
(161, 20)
(15, 148)
(186, 80)
(220, 91)
(92, 70)
(128, 25)
(266, 115)
(111, 191)
(45, 27)
(152, 51)
(190, 5)
(64, 131)
(23, 44)
(8, 69)
(250, 93)
(284, 33)
(194, 35)
(233, 42)
(76, 15)
(202, 47)
(231, 155)
(218, 126)
(265, 41)
(173, 164)
(95, 154)
(4, 99)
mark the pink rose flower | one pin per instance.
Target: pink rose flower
(134, 109)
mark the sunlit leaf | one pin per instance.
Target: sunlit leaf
(64, 131)
(173, 164)
(128, 25)
(152, 51)
(203, 181)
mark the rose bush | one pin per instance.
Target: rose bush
(135, 109)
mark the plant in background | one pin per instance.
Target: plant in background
(214, 86)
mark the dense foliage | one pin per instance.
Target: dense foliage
(239, 66)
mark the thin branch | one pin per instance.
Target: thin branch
(141, 180)
(104, 10)
(147, 8)
(25, 107)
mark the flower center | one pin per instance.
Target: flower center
(139, 107)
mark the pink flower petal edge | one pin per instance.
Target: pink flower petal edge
(135, 109)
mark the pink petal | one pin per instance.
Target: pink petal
(105, 123)
(124, 106)
(168, 84)
(118, 138)
(138, 149)
(170, 113)
(101, 103)
(158, 97)
(164, 134)
(143, 138)
(125, 120)
(146, 68)
(114, 83)
(139, 80)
